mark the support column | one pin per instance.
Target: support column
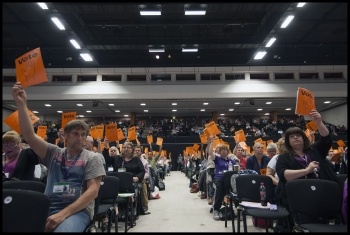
(273, 116)
(132, 119)
(215, 116)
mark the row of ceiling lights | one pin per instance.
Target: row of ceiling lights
(173, 104)
(190, 9)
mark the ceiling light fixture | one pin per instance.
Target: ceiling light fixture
(301, 4)
(287, 21)
(195, 9)
(43, 5)
(260, 55)
(58, 23)
(150, 10)
(75, 44)
(150, 13)
(156, 50)
(86, 56)
(189, 49)
(271, 41)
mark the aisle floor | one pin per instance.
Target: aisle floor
(178, 210)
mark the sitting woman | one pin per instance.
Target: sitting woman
(127, 162)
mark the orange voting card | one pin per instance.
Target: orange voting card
(305, 102)
(41, 131)
(66, 117)
(150, 139)
(159, 141)
(341, 143)
(111, 132)
(312, 126)
(204, 138)
(132, 133)
(12, 120)
(30, 68)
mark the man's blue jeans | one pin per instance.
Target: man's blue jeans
(74, 223)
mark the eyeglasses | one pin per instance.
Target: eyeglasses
(112, 151)
(9, 145)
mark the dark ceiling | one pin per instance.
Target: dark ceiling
(228, 35)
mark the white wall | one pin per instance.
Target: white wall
(337, 115)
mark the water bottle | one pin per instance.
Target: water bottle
(230, 166)
(263, 194)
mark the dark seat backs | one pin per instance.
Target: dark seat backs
(25, 184)
(126, 181)
(314, 197)
(248, 187)
(24, 211)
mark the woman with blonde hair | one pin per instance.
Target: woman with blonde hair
(17, 163)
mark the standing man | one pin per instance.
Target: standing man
(74, 173)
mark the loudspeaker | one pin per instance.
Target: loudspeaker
(251, 102)
(94, 103)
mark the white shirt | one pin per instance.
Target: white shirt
(272, 164)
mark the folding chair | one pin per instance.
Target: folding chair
(25, 184)
(248, 190)
(229, 197)
(24, 211)
(125, 195)
(319, 199)
(105, 203)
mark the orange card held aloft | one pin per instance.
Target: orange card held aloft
(212, 128)
(195, 147)
(150, 139)
(240, 136)
(204, 138)
(305, 102)
(341, 143)
(111, 132)
(159, 141)
(132, 133)
(120, 134)
(41, 131)
(311, 126)
(12, 120)
(66, 117)
(30, 68)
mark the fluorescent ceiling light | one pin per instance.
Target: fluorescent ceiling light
(43, 5)
(201, 13)
(260, 55)
(59, 111)
(80, 105)
(146, 111)
(301, 4)
(189, 49)
(150, 13)
(287, 21)
(86, 57)
(75, 44)
(117, 111)
(156, 50)
(35, 112)
(58, 23)
(230, 110)
(202, 110)
(272, 40)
